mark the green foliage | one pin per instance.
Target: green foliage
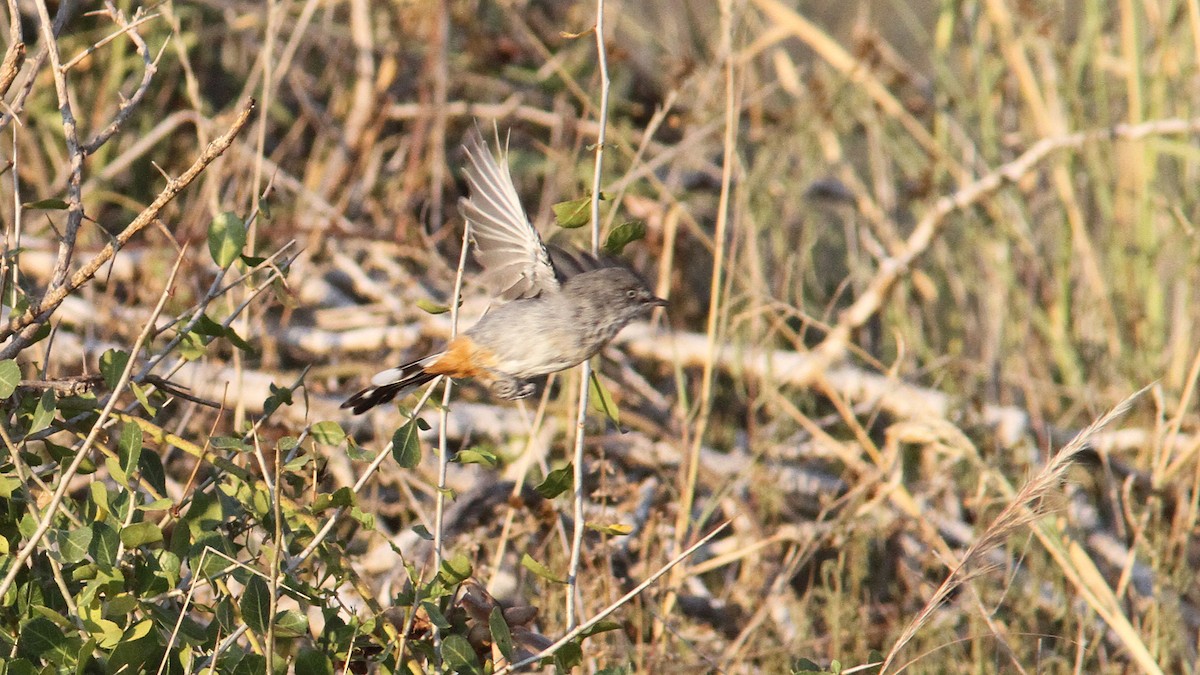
(623, 235)
(406, 445)
(601, 399)
(459, 656)
(226, 238)
(574, 213)
(529, 563)
(112, 364)
(557, 482)
(10, 377)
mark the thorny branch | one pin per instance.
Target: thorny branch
(25, 325)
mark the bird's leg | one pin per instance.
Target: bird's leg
(511, 388)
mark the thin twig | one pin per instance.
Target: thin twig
(713, 326)
(604, 613)
(149, 68)
(439, 511)
(66, 247)
(585, 369)
(28, 322)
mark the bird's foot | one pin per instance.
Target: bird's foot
(512, 389)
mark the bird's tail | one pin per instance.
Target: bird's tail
(388, 384)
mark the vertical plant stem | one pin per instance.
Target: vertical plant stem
(704, 400)
(439, 512)
(239, 408)
(585, 369)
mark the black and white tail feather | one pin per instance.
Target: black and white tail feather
(388, 384)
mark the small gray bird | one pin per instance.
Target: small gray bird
(560, 308)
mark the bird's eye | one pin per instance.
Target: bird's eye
(631, 294)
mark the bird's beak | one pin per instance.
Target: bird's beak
(657, 302)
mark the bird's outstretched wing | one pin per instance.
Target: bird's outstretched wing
(513, 256)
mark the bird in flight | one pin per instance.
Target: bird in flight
(559, 308)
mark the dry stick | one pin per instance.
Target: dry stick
(440, 45)
(604, 613)
(1024, 509)
(66, 247)
(149, 68)
(17, 105)
(13, 58)
(64, 481)
(585, 369)
(712, 329)
(29, 322)
(268, 51)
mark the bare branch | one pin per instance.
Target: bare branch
(30, 321)
(149, 68)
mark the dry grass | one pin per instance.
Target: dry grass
(910, 250)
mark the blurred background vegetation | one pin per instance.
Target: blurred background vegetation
(1018, 314)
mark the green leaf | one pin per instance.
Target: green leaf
(256, 604)
(310, 661)
(238, 341)
(601, 627)
(8, 484)
(140, 394)
(291, 623)
(624, 234)
(456, 570)
(406, 445)
(328, 433)
(436, 617)
(501, 635)
(112, 365)
(343, 496)
(139, 534)
(116, 472)
(568, 657)
(250, 664)
(358, 453)
(280, 396)
(164, 504)
(43, 413)
(153, 473)
(41, 638)
(431, 307)
(458, 655)
(10, 377)
(139, 651)
(47, 205)
(614, 529)
(129, 447)
(422, 532)
(207, 327)
(602, 401)
(574, 213)
(73, 544)
(229, 443)
(541, 570)
(477, 457)
(191, 346)
(557, 482)
(226, 238)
